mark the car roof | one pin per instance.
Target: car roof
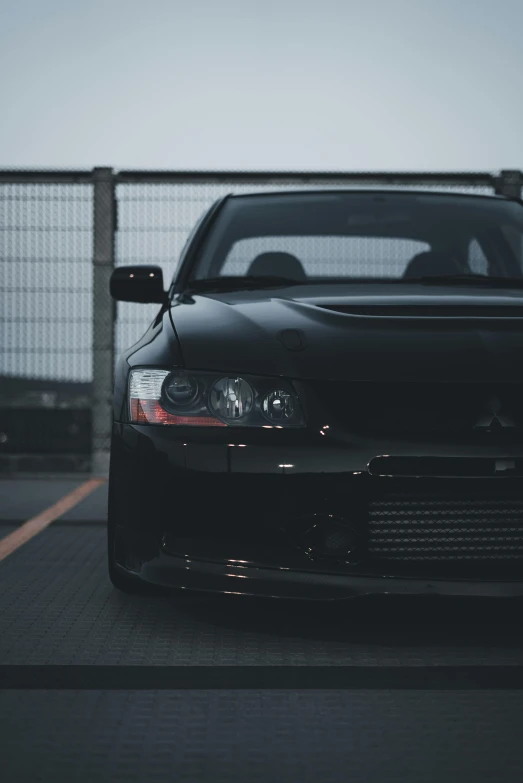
(433, 191)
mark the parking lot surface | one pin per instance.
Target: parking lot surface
(99, 685)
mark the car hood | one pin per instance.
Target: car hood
(391, 333)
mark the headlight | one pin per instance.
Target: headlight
(211, 400)
(181, 389)
(278, 406)
(231, 398)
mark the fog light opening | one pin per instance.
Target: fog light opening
(330, 537)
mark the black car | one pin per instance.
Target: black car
(329, 401)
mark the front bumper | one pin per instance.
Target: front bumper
(226, 512)
(229, 578)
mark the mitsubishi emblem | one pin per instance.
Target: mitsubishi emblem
(494, 418)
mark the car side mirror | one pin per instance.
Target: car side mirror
(137, 284)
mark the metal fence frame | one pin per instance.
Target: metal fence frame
(105, 225)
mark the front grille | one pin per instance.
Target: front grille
(488, 467)
(416, 409)
(435, 529)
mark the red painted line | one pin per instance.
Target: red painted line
(38, 523)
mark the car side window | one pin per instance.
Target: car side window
(514, 237)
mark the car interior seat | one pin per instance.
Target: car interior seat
(280, 264)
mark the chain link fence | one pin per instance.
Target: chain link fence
(46, 291)
(61, 234)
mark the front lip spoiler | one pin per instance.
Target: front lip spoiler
(200, 575)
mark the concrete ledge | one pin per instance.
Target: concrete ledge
(44, 463)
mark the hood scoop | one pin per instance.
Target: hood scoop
(428, 311)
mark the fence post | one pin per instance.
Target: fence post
(509, 183)
(104, 226)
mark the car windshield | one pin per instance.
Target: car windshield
(350, 236)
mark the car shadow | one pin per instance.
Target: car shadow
(381, 621)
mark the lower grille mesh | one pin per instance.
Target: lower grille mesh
(445, 530)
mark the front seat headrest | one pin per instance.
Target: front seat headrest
(432, 263)
(279, 264)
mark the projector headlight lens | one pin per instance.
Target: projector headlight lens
(181, 389)
(231, 398)
(278, 406)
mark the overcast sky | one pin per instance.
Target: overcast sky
(282, 84)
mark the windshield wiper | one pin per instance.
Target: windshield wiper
(259, 282)
(467, 279)
(240, 283)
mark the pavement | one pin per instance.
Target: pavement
(98, 685)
